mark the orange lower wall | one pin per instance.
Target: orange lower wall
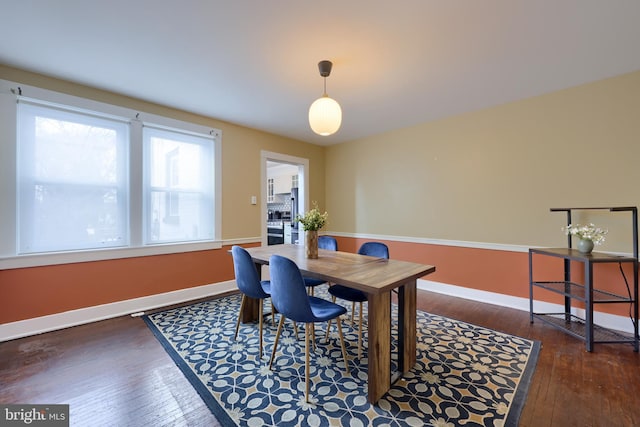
(489, 270)
(38, 291)
(503, 272)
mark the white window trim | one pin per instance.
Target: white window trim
(8, 224)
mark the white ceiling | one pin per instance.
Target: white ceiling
(254, 62)
(276, 169)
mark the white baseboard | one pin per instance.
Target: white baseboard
(38, 325)
(606, 320)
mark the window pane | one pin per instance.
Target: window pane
(178, 187)
(72, 180)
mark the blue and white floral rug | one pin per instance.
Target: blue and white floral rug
(465, 375)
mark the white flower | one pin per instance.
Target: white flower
(586, 232)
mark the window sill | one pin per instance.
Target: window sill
(56, 258)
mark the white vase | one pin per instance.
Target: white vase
(585, 246)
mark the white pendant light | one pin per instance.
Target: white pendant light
(325, 114)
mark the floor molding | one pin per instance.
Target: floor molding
(606, 320)
(39, 325)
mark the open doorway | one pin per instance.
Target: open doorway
(283, 196)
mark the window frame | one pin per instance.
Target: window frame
(10, 92)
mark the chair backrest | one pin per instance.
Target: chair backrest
(375, 249)
(327, 242)
(288, 291)
(247, 276)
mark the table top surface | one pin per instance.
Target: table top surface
(369, 274)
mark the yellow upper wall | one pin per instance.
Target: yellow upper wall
(486, 176)
(492, 175)
(241, 148)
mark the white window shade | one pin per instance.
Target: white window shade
(72, 180)
(76, 181)
(178, 186)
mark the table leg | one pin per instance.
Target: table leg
(250, 313)
(379, 345)
(407, 338)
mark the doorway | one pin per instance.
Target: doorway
(284, 189)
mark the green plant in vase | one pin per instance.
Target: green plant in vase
(312, 221)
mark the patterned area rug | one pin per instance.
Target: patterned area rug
(465, 375)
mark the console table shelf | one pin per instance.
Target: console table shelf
(577, 328)
(585, 292)
(578, 292)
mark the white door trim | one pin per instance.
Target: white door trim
(303, 182)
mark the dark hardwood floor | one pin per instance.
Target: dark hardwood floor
(115, 373)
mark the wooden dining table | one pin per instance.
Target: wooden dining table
(377, 278)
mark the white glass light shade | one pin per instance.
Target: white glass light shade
(325, 116)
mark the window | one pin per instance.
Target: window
(72, 180)
(178, 186)
(79, 176)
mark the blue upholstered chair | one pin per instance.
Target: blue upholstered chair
(324, 242)
(290, 298)
(249, 283)
(375, 249)
(327, 242)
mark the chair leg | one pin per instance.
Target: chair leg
(275, 343)
(295, 329)
(333, 299)
(260, 309)
(273, 314)
(313, 336)
(326, 337)
(306, 366)
(235, 337)
(353, 310)
(344, 350)
(360, 334)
